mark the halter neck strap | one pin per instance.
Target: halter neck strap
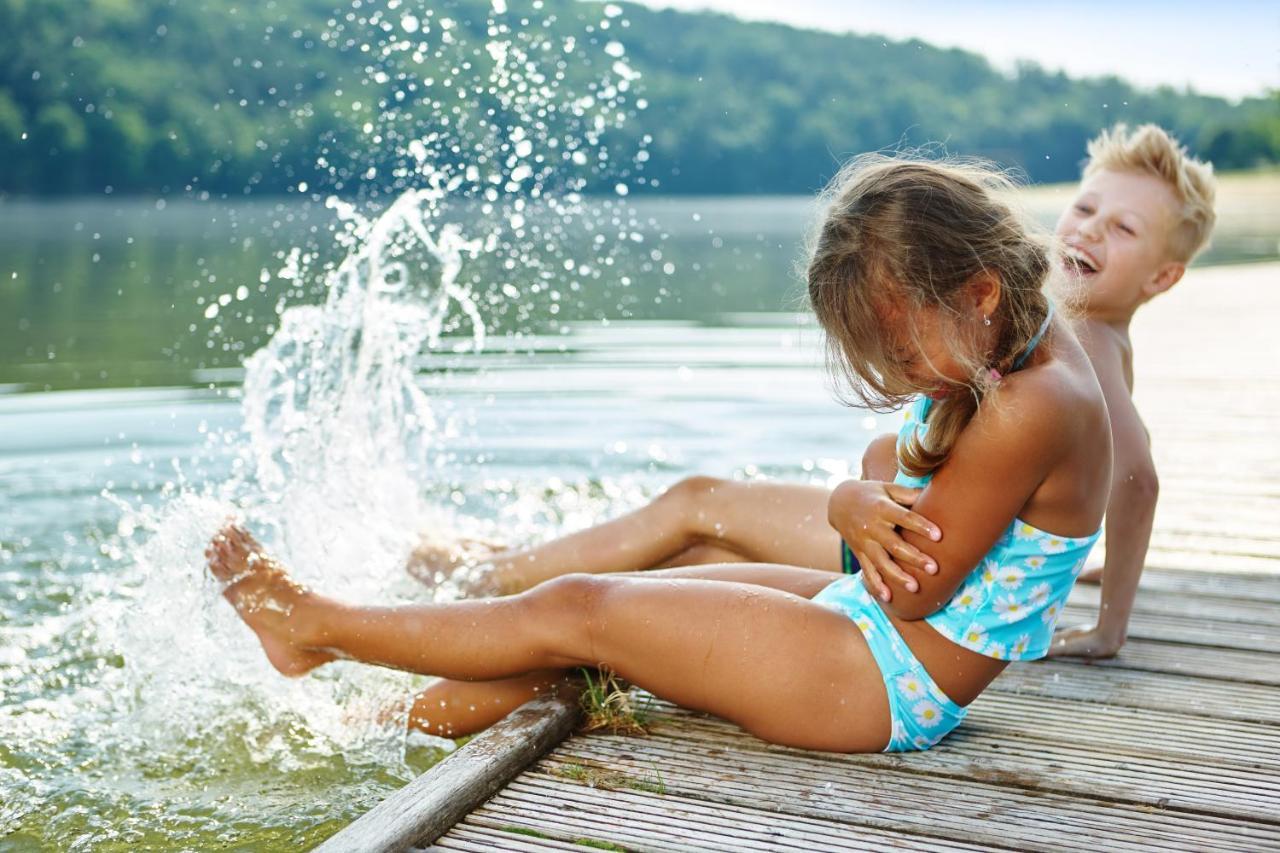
(1035, 341)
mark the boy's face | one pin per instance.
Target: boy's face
(1117, 231)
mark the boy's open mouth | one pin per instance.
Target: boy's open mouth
(1079, 263)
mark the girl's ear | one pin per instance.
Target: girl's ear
(985, 291)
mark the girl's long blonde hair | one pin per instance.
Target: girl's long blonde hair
(906, 233)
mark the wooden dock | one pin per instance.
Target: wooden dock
(1175, 744)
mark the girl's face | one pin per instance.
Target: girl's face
(918, 342)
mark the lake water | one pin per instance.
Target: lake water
(134, 711)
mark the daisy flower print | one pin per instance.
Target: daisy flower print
(968, 597)
(974, 636)
(911, 687)
(927, 713)
(1050, 614)
(1053, 545)
(1010, 577)
(1009, 608)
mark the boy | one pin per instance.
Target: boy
(1143, 211)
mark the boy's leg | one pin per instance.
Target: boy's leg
(783, 668)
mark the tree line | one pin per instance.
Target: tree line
(230, 97)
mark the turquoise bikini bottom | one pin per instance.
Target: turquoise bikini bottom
(922, 714)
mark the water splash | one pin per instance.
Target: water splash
(177, 713)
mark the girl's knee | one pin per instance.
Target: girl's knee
(696, 491)
(569, 608)
(695, 500)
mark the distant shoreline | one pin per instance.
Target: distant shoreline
(1263, 180)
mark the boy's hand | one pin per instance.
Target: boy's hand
(867, 515)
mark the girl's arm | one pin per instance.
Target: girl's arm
(1016, 438)
(868, 514)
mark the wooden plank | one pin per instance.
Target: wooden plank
(1253, 759)
(900, 800)
(1225, 544)
(1186, 629)
(1233, 514)
(486, 839)
(1244, 746)
(1222, 700)
(1210, 489)
(673, 822)
(1193, 512)
(1172, 558)
(437, 799)
(1179, 659)
(1106, 727)
(1201, 607)
(1253, 586)
(1155, 781)
(1183, 522)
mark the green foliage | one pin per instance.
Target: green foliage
(236, 97)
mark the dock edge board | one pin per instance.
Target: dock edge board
(431, 804)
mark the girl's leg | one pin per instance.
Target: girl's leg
(696, 520)
(450, 708)
(879, 462)
(704, 555)
(783, 668)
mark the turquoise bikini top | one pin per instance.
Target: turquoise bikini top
(1009, 604)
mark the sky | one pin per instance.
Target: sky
(1228, 47)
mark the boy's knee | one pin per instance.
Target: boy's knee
(1147, 484)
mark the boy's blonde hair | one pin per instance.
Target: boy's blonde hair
(1149, 149)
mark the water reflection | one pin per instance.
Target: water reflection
(114, 294)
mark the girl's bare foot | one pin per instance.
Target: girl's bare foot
(1092, 574)
(267, 599)
(1084, 641)
(461, 561)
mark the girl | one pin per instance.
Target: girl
(927, 286)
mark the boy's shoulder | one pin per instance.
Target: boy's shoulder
(1110, 351)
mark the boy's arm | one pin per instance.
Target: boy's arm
(1130, 510)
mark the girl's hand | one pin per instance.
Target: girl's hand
(867, 515)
